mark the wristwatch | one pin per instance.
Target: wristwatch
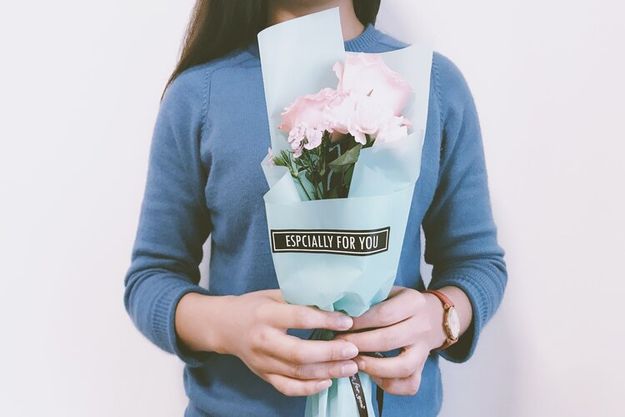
(451, 323)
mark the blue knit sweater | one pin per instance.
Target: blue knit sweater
(205, 180)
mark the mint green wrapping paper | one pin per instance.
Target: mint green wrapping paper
(296, 59)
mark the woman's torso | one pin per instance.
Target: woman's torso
(232, 148)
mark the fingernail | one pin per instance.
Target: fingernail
(361, 364)
(324, 384)
(350, 351)
(349, 369)
(344, 322)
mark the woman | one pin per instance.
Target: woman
(244, 348)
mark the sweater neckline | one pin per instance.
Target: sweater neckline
(361, 43)
(365, 40)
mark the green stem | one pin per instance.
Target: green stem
(324, 159)
(295, 175)
(312, 168)
(303, 188)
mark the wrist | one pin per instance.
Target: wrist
(197, 321)
(437, 334)
(219, 312)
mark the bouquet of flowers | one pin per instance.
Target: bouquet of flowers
(326, 130)
(342, 167)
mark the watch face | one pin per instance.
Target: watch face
(454, 322)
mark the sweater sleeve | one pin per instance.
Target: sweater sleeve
(460, 233)
(174, 221)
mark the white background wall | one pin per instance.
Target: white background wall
(80, 84)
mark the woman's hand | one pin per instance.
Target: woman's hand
(408, 319)
(253, 327)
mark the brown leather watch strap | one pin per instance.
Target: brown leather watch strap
(447, 304)
(443, 297)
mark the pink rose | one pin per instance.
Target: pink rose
(308, 109)
(359, 115)
(393, 128)
(306, 119)
(367, 74)
(368, 100)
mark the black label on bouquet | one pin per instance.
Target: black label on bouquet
(359, 395)
(344, 242)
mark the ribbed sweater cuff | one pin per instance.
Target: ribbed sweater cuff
(163, 321)
(476, 286)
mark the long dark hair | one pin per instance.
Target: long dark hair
(218, 27)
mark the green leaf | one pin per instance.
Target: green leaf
(346, 160)
(282, 158)
(349, 157)
(347, 177)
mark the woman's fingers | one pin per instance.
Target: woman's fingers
(290, 316)
(325, 370)
(386, 338)
(292, 349)
(399, 306)
(297, 358)
(399, 375)
(296, 387)
(321, 370)
(403, 365)
(400, 386)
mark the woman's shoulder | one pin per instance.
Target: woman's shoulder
(191, 87)
(450, 84)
